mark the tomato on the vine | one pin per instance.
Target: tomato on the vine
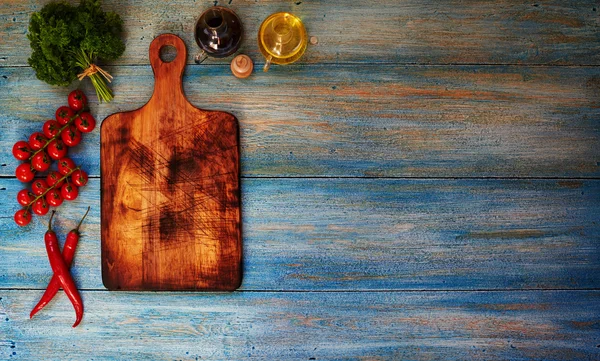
(25, 197)
(37, 140)
(57, 149)
(65, 165)
(77, 100)
(71, 136)
(41, 162)
(40, 207)
(39, 186)
(85, 122)
(21, 150)
(69, 191)
(64, 115)
(54, 198)
(22, 217)
(24, 173)
(54, 179)
(79, 178)
(51, 128)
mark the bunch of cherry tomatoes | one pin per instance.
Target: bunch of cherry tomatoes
(44, 147)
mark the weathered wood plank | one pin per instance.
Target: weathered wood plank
(534, 325)
(413, 31)
(417, 121)
(349, 234)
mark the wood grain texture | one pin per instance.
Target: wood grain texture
(321, 120)
(170, 196)
(383, 31)
(534, 325)
(360, 268)
(369, 234)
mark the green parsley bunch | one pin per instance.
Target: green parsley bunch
(68, 40)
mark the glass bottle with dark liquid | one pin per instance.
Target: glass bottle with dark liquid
(218, 33)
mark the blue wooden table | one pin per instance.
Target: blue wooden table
(424, 184)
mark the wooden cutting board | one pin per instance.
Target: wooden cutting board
(170, 190)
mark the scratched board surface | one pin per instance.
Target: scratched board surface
(170, 194)
(422, 187)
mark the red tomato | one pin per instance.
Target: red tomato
(69, 191)
(24, 172)
(77, 100)
(51, 128)
(39, 186)
(21, 150)
(65, 165)
(53, 179)
(40, 207)
(25, 197)
(57, 149)
(71, 136)
(85, 122)
(22, 217)
(37, 140)
(54, 198)
(79, 178)
(64, 115)
(41, 162)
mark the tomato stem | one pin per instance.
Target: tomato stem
(57, 134)
(66, 176)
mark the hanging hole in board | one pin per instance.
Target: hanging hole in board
(168, 53)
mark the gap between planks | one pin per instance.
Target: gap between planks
(369, 65)
(477, 290)
(387, 177)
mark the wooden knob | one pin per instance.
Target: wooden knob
(241, 66)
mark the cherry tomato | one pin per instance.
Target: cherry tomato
(71, 136)
(40, 207)
(21, 150)
(51, 128)
(69, 191)
(41, 162)
(53, 179)
(54, 198)
(24, 172)
(37, 140)
(64, 115)
(39, 186)
(22, 217)
(85, 122)
(79, 178)
(25, 197)
(57, 149)
(65, 165)
(77, 100)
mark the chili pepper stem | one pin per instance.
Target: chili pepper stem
(80, 222)
(50, 221)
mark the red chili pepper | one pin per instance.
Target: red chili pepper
(68, 254)
(61, 270)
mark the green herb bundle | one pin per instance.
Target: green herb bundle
(67, 41)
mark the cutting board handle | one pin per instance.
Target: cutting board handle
(167, 75)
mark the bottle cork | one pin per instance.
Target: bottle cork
(241, 66)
